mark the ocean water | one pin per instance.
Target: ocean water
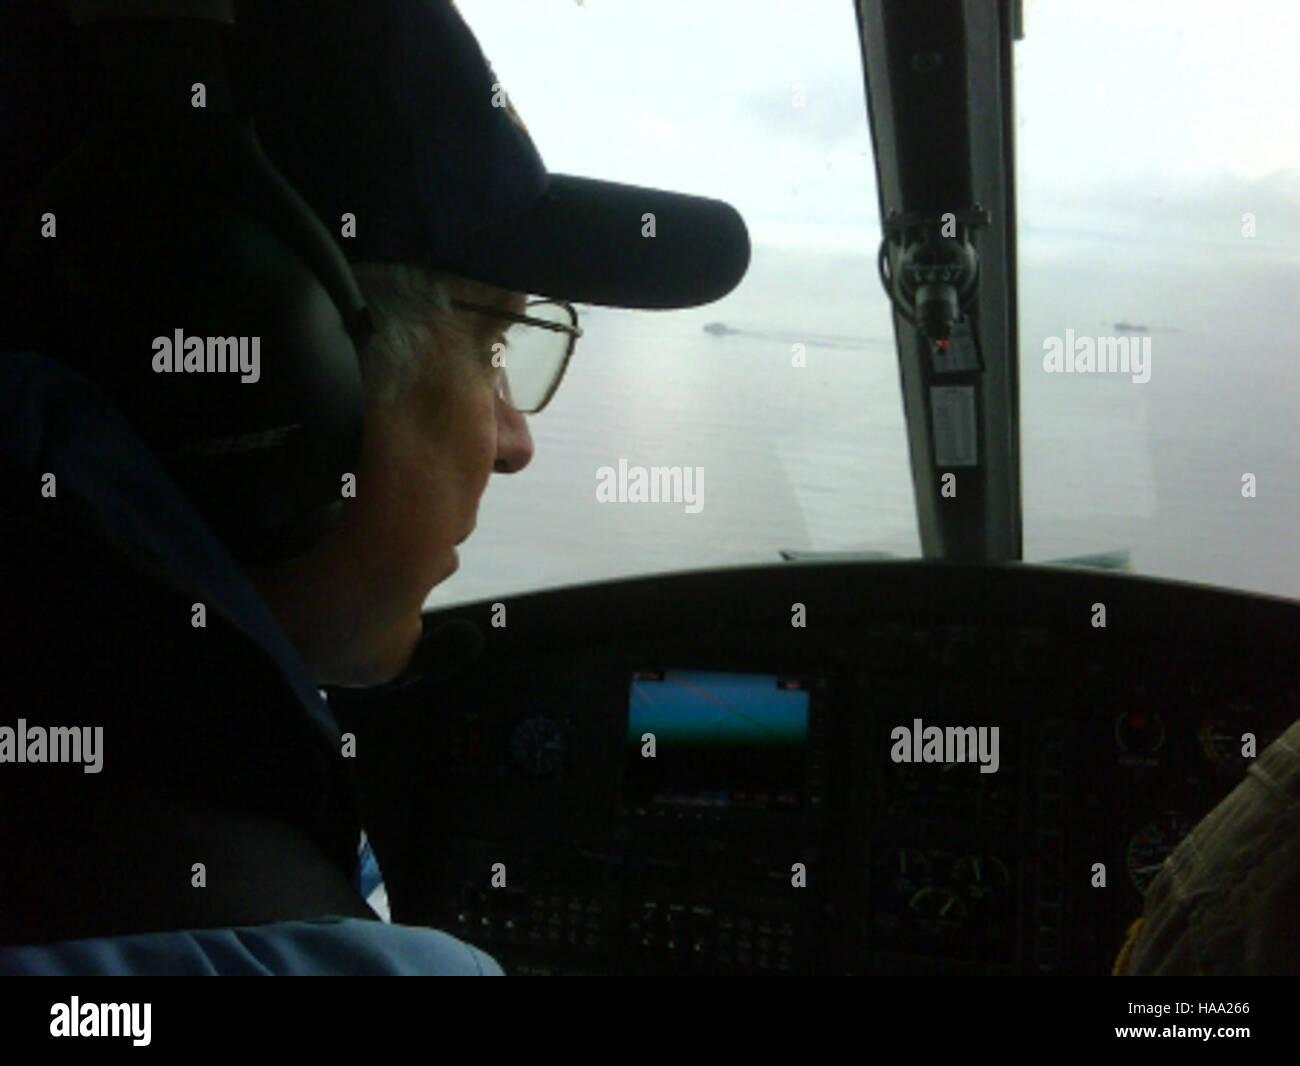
(815, 457)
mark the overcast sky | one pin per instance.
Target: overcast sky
(1131, 114)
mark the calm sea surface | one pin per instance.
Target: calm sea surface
(816, 457)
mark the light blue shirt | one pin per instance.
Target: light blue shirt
(316, 946)
(54, 419)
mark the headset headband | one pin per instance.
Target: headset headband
(167, 259)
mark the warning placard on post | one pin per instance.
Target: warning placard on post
(952, 410)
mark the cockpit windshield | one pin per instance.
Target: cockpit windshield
(1159, 208)
(1159, 211)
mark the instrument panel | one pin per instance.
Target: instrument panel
(949, 769)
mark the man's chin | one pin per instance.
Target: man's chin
(392, 658)
(386, 664)
(401, 661)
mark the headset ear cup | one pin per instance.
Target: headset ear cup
(180, 249)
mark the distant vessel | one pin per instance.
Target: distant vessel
(1127, 327)
(719, 329)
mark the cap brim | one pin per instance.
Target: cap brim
(591, 241)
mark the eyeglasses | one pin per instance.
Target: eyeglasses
(537, 350)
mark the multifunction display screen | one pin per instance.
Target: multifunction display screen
(709, 740)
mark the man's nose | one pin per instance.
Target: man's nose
(514, 441)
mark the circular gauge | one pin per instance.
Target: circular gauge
(1220, 742)
(1151, 845)
(897, 873)
(1139, 732)
(981, 877)
(1220, 736)
(902, 870)
(538, 746)
(937, 910)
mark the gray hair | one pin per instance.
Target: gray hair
(413, 316)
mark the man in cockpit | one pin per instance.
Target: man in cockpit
(220, 833)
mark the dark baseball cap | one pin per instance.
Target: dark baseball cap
(388, 111)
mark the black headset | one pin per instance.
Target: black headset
(169, 217)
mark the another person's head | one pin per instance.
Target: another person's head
(438, 424)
